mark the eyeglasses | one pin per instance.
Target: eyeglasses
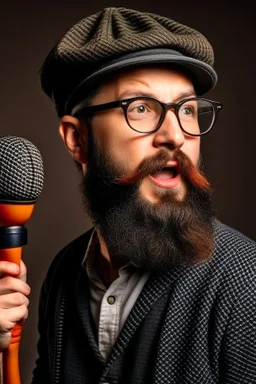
(196, 115)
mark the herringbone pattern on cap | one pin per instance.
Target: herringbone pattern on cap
(118, 30)
(95, 41)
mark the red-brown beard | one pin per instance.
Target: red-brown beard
(159, 236)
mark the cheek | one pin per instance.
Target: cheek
(128, 153)
(120, 142)
(108, 132)
(192, 149)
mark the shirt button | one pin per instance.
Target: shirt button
(111, 300)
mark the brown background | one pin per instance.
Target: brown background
(28, 32)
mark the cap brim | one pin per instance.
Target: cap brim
(202, 75)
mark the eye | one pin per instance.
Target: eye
(140, 109)
(187, 110)
(144, 109)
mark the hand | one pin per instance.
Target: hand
(13, 299)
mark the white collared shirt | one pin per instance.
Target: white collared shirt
(111, 307)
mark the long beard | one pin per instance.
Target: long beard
(154, 236)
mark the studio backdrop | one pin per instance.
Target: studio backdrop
(28, 31)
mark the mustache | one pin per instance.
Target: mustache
(153, 164)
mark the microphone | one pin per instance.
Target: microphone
(21, 182)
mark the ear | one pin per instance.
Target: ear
(74, 134)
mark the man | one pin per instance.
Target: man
(158, 291)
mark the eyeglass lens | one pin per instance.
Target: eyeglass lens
(195, 116)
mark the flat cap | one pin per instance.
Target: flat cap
(118, 38)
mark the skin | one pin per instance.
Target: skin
(13, 299)
(128, 148)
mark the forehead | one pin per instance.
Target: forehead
(153, 80)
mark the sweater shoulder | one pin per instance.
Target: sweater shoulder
(69, 258)
(231, 241)
(234, 259)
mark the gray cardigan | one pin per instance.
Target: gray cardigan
(205, 332)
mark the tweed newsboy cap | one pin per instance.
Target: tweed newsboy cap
(119, 38)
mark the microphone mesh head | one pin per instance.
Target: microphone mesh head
(21, 169)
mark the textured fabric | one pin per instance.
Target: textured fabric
(112, 39)
(206, 335)
(132, 365)
(114, 305)
(117, 30)
(21, 169)
(110, 316)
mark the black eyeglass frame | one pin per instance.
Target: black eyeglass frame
(124, 104)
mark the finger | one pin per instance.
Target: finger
(23, 271)
(12, 300)
(9, 317)
(9, 284)
(7, 268)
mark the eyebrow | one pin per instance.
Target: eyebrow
(181, 96)
(186, 94)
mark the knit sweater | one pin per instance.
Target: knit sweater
(190, 326)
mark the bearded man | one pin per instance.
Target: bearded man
(158, 290)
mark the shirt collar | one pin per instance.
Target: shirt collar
(89, 258)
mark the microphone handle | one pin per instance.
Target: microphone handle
(13, 216)
(11, 367)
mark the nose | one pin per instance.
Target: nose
(169, 134)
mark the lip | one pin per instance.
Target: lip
(167, 182)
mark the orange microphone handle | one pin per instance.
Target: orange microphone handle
(11, 365)
(13, 255)
(13, 235)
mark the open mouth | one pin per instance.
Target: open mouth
(166, 177)
(166, 173)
